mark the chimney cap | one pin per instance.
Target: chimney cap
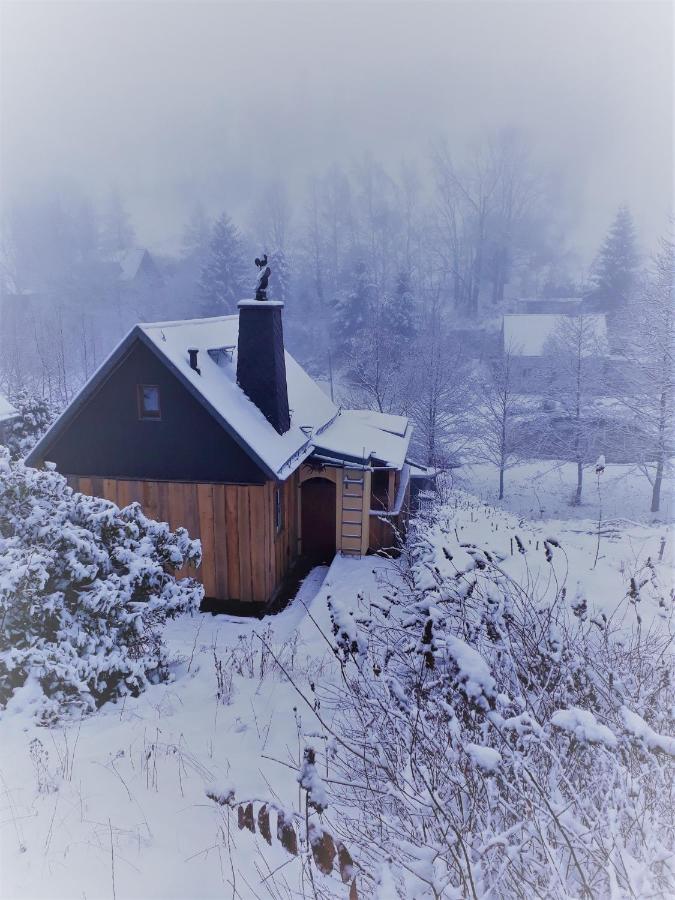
(261, 304)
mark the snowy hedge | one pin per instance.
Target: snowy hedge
(36, 414)
(85, 589)
(492, 736)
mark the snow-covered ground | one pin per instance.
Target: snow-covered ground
(117, 805)
(543, 489)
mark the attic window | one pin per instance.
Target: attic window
(148, 402)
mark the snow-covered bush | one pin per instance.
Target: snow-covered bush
(85, 589)
(35, 416)
(492, 737)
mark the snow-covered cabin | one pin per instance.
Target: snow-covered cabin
(7, 415)
(210, 424)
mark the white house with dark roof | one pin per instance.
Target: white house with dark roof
(529, 338)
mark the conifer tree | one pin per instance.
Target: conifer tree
(400, 308)
(280, 277)
(224, 279)
(615, 268)
(353, 309)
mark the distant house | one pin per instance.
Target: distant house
(210, 424)
(528, 337)
(7, 415)
(136, 267)
(569, 306)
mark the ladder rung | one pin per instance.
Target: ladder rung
(353, 481)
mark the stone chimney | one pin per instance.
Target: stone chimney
(261, 365)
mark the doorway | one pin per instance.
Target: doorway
(317, 521)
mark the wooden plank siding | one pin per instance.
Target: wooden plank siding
(244, 557)
(381, 533)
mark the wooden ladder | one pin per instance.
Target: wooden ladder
(353, 481)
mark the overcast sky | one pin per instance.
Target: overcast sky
(173, 102)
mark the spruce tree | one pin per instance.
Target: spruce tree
(353, 309)
(225, 276)
(615, 268)
(280, 277)
(400, 319)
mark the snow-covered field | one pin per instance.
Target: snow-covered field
(543, 489)
(117, 805)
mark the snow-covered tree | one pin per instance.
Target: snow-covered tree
(497, 438)
(85, 589)
(279, 286)
(442, 395)
(400, 308)
(616, 266)
(575, 351)
(226, 278)
(379, 367)
(35, 416)
(650, 390)
(353, 309)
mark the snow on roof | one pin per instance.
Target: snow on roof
(419, 471)
(130, 262)
(527, 333)
(7, 411)
(350, 436)
(316, 422)
(384, 421)
(554, 300)
(310, 408)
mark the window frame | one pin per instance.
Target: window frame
(143, 414)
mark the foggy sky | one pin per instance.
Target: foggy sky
(178, 102)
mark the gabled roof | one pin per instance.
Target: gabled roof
(527, 333)
(217, 385)
(7, 411)
(130, 262)
(316, 423)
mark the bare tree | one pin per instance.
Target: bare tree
(380, 367)
(442, 394)
(465, 198)
(497, 438)
(576, 351)
(650, 370)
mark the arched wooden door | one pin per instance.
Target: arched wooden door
(318, 519)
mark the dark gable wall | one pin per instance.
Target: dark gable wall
(107, 438)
